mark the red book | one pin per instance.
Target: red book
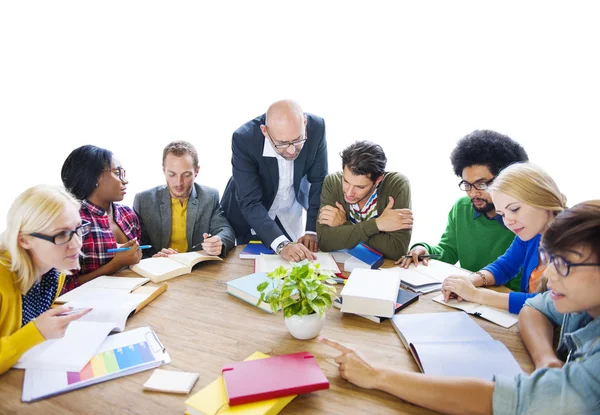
(274, 377)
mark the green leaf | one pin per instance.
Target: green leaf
(262, 286)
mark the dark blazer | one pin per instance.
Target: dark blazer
(204, 215)
(252, 189)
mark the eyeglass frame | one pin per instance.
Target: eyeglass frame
(84, 224)
(552, 258)
(290, 143)
(120, 172)
(475, 185)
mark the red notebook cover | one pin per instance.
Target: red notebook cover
(273, 377)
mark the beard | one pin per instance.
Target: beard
(488, 207)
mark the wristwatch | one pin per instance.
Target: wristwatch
(281, 245)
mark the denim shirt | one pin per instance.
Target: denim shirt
(572, 389)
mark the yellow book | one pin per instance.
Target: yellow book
(212, 400)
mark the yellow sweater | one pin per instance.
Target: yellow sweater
(14, 339)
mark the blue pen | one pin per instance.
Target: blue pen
(127, 249)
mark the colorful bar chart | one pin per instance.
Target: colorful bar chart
(112, 361)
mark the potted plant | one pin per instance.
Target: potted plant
(303, 296)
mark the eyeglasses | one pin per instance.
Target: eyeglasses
(466, 186)
(119, 171)
(65, 236)
(289, 144)
(563, 267)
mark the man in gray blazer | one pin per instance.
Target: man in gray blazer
(182, 216)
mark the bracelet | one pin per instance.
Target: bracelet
(482, 277)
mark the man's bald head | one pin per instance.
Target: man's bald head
(285, 120)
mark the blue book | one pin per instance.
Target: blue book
(368, 255)
(253, 250)
(244, 288)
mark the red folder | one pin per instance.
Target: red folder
(274, 377)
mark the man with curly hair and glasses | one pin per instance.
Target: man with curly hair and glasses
(475, 235)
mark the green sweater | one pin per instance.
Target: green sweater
(474, 243)
(348, 235)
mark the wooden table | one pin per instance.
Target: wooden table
(203, 328)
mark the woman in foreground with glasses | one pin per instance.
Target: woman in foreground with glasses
(95, 176)
(528, 200)
(41, 243)
(562, 383)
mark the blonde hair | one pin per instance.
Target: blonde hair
(532, 186)
(34, 210)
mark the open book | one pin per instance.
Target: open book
(452, 344)
(425, 279)
(83, 336)
(108, 285)
(495, 315)
(164, 268)
(269, 263)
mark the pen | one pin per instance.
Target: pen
(340, 280)
(127, 249)
(431, 256)
(69, 312)
(200, 243)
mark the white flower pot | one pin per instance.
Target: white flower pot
(305, 327)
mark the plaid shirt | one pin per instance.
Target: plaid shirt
(100, 238)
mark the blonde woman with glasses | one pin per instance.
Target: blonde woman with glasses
(528, 200)
(41, 243)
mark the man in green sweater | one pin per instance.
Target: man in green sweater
(475, 235)
(364, 203)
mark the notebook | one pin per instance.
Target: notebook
(269, 263)
(495, 315)
(369, 256)
(405, 298)
(213, 398)
(171, 381)
(428, 278)
(371, 292)
(244, 288)
(273, 377)
(116, 285)
(452, 344)
(119, 355)
(164, 268)
(253, 250)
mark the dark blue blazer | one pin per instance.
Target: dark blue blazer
(252, 189)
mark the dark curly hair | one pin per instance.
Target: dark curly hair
(82, 168)
(486, 148)
(364, 158)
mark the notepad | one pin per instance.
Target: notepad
(213, 398)
(495, 315)
(273, 377)
(171, 381)
(164, 268)
(269, 263)
(119, 355)
(452, 344)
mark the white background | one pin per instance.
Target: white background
(415, 77)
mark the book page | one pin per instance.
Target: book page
(438, 270)
(501, 317)
(467, 306)
(158, 268)
(101, 285)
(108, 307)
(192, 258)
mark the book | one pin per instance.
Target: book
(369, 256)
(119, 355)
(83, 336)
(171, 381)
(253, 250)
(212, 399)
(340, 255)
(273, 377)
(428, 278)
(269, 263)
(500, 317)
(405, 298)
(164, 268)
(108, 285)
(244, 288)
(371, 292)
(453, 345)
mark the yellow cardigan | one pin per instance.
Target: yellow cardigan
(14, 339)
